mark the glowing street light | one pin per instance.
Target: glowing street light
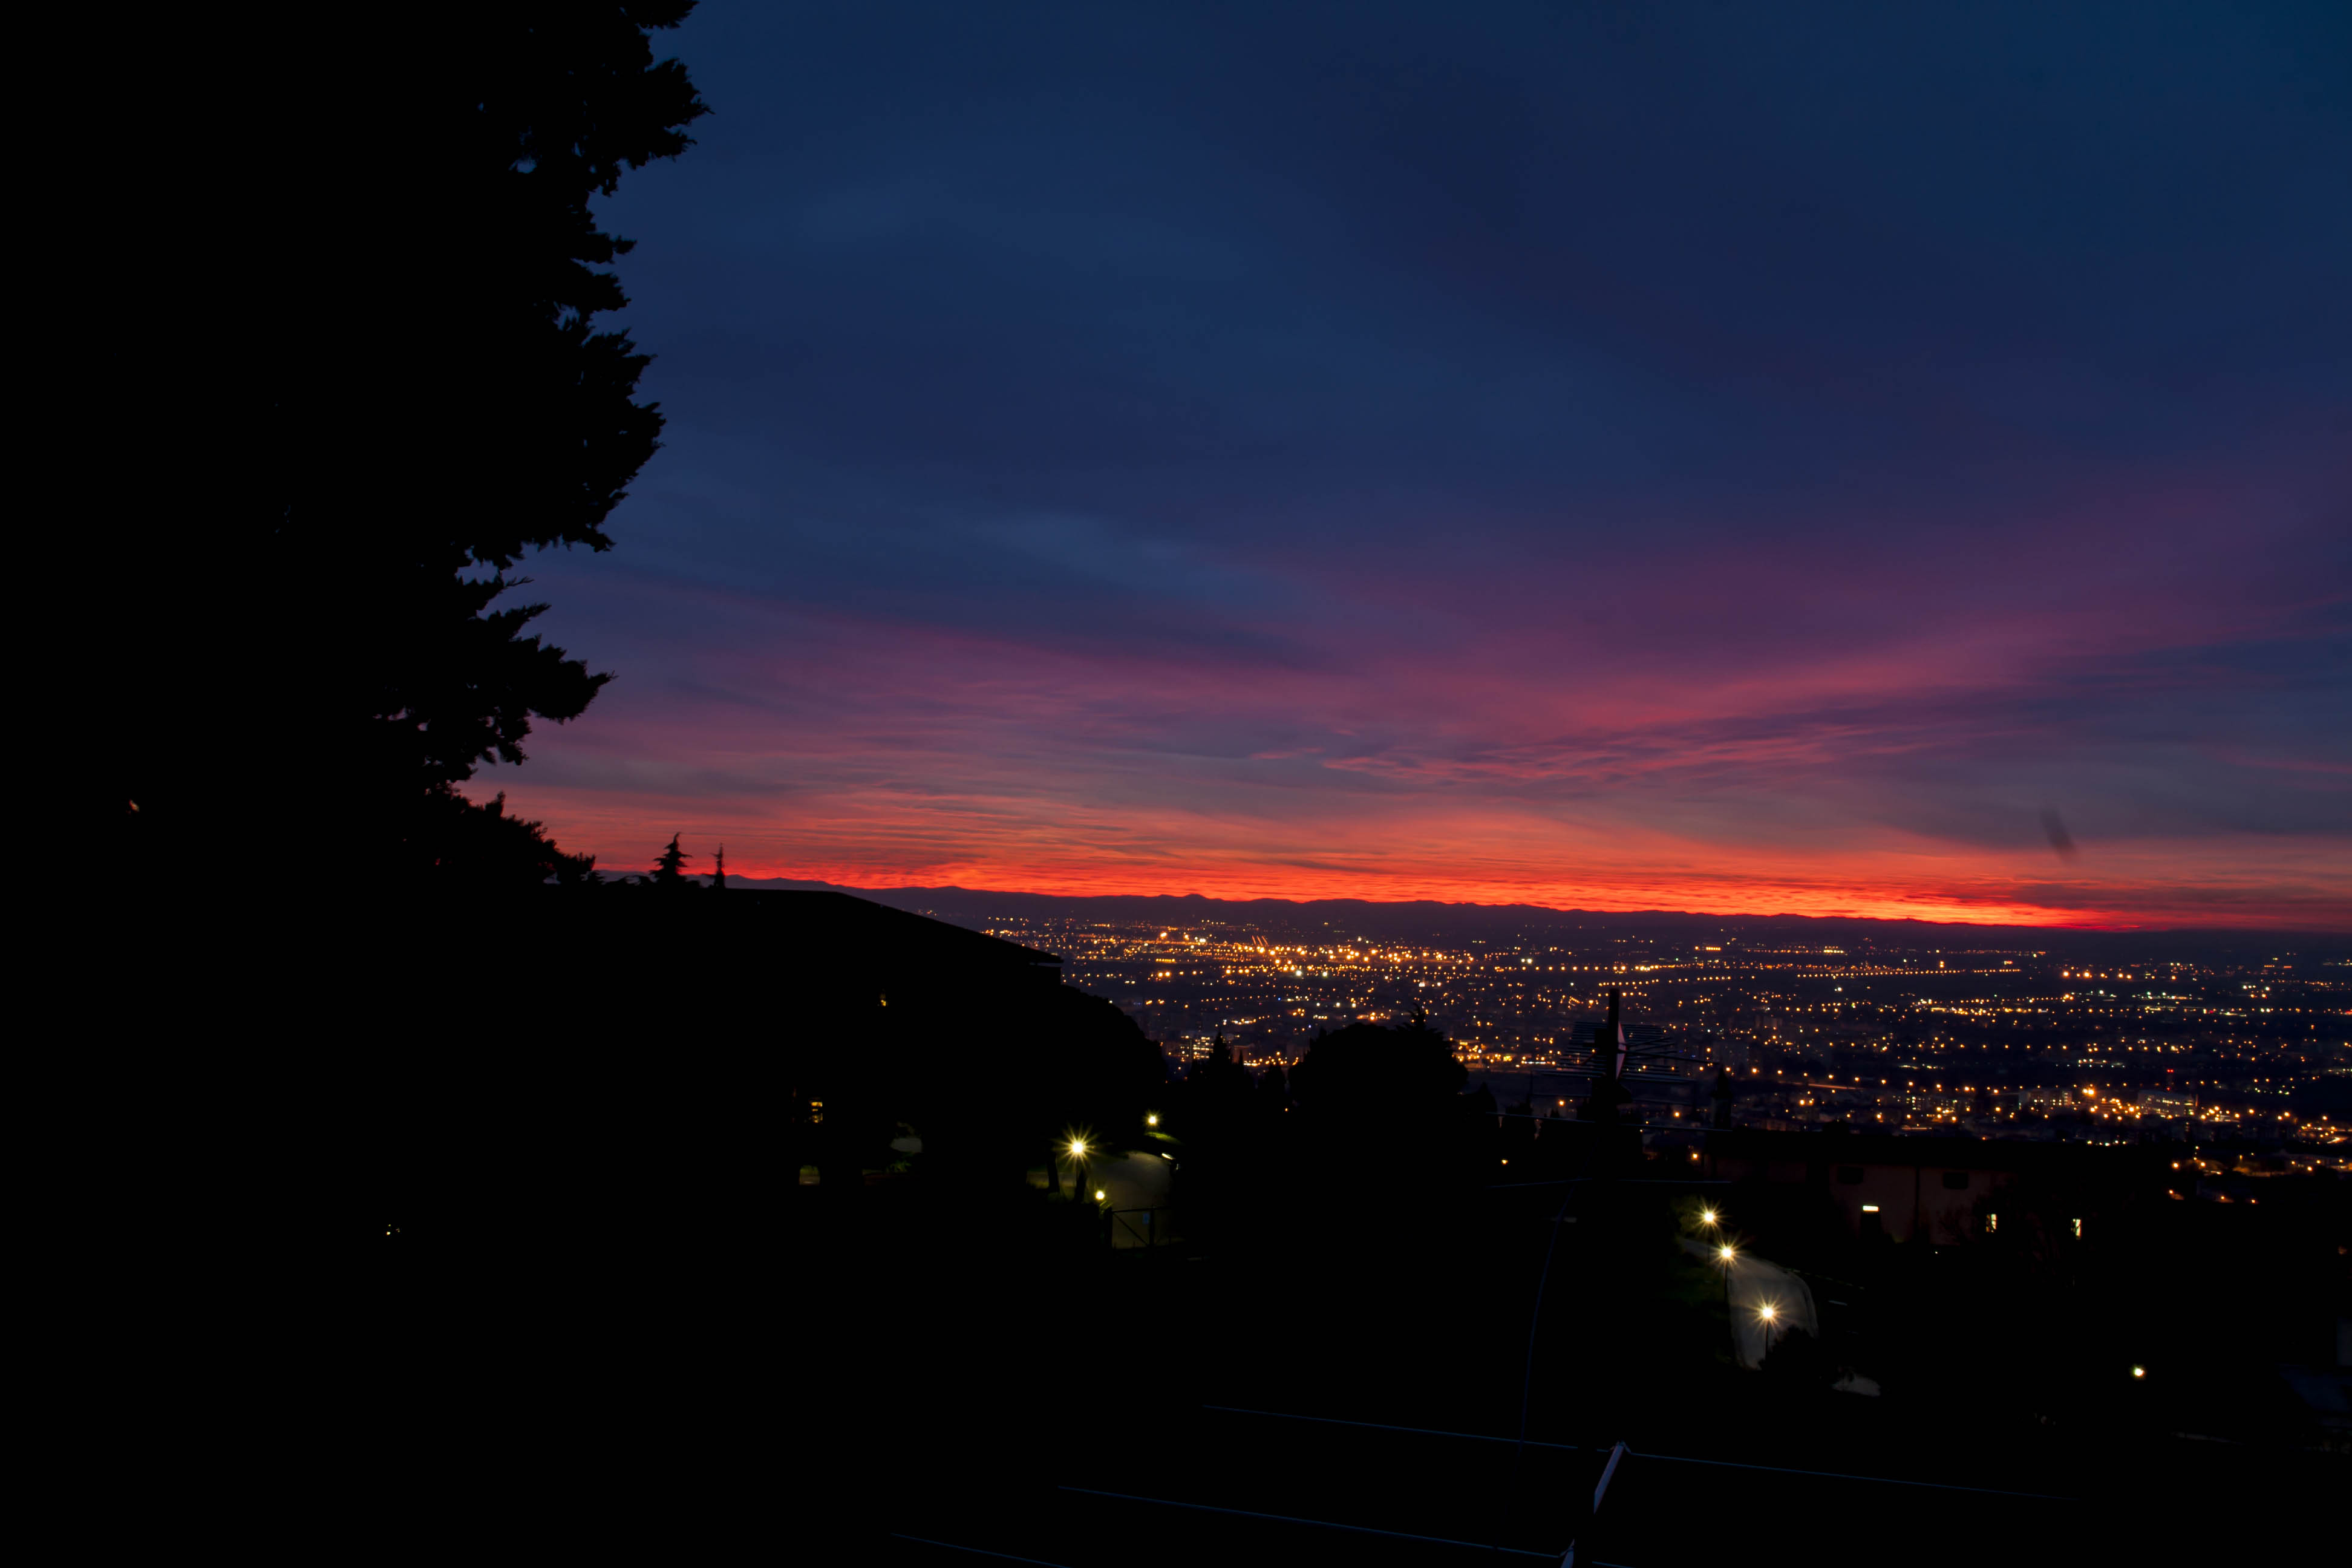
(1152, 1120)
(1706, 1216)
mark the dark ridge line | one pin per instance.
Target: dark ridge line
(1200, 903)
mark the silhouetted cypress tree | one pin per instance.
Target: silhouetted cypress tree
(403, 393)
(669, 866)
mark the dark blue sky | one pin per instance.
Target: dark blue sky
(1690, 456)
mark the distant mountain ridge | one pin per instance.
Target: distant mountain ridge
(1431, 921)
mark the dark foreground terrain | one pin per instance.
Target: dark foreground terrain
(1297, 1398)
(620, 1323)
(877, 1380)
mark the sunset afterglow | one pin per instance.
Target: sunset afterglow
(1726, 512)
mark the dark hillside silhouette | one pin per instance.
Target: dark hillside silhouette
(403, 393)
(831, 1022)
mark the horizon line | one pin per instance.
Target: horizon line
(2248, 931)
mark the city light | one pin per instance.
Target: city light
(1078, 1148)
(1726, 1254)
(2139, 1371)
(1706, 1216)
(1152, 1119)
(1817, 1036)
(1767, 1311)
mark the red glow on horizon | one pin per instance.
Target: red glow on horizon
(1454, 861)
(1786, 766)
(1815, 903)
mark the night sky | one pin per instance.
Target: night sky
(1872, 459)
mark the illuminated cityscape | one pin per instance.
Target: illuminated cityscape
(1964, 1035)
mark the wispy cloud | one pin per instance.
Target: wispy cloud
(1515, 456)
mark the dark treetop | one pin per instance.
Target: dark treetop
(404, 393)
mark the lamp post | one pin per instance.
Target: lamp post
(1768, 1315)
(1078, 1168)
(1710, 1219)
